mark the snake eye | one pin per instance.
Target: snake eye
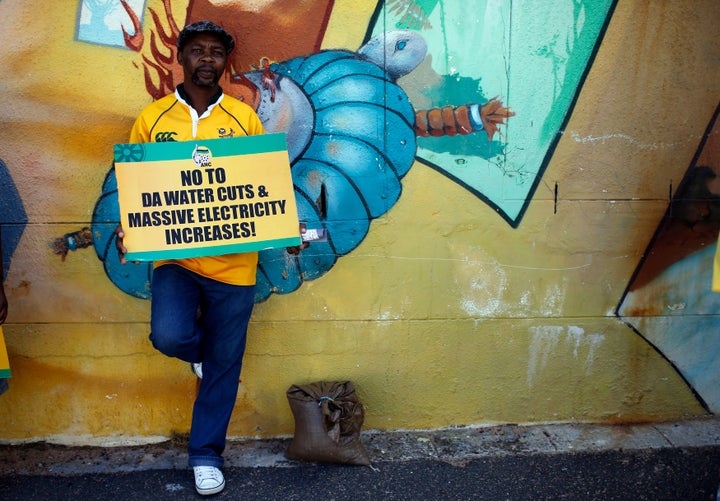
(400, 45)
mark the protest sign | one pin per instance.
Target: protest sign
(206, 197)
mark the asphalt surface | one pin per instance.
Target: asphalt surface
(660, 461)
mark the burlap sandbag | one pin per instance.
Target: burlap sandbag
(328, 419)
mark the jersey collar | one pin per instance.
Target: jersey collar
(180, 89)
(182, 96)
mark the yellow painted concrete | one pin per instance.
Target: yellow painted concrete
(410, 374)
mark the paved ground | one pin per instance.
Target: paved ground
(673, 461)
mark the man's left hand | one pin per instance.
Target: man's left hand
(295, 250)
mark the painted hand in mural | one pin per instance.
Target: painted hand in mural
(463, 119)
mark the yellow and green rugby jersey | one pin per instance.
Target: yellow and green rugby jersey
(173, 119)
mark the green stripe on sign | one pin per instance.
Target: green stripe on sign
(183, 150)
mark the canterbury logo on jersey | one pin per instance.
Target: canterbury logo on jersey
(165, 137)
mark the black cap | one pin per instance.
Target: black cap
(199, 27)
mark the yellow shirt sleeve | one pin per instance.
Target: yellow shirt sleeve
(139, 132)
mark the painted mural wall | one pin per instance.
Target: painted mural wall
(522, 202)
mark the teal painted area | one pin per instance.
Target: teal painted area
(413, 14)
(183, 150)
(532, 56)
(217, 250)
(686, 328)
(692, 344)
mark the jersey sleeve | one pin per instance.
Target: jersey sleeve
(140, 132)
(256, 126)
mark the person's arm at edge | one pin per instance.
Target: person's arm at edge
(3, 297)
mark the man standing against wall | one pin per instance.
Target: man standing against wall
(201, 306)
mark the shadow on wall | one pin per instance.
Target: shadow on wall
(13, 217)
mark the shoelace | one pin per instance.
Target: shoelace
(207, 473)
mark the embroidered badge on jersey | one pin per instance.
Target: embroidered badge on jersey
(165, 137)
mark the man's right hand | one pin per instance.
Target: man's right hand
(119, 235)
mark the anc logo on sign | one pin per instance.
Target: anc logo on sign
(202, 156)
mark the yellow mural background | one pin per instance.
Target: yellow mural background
(444, 315)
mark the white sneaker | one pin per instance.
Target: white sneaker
(208, 480)
(196, 368)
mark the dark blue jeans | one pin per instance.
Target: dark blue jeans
(216, 338)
